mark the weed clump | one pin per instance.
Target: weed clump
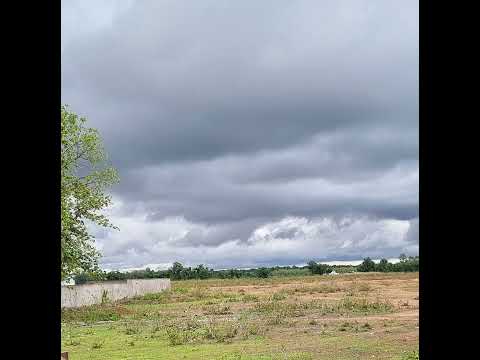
(194, 332)
(98, 344)
(177, 336)
(221, 332)
(281, 309)
(363, 306)
(94, 313)
(250, 298)
(278, 296)
(217, 310)
(131, 329)
(414, 355)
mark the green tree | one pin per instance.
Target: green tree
(324, 269)
(263, 272)
(382, 266)
(319, 268)
(201, 272)
(233, 273)
(85, 177)
(83, 277)
(176, 270)
(116, 275)
(312, 266)
(366, 266)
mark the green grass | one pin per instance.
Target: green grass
(116, 344)
(413, 355)
(94, 313)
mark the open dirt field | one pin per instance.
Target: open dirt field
(350, 316)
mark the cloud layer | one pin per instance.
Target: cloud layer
(228, 120)
(289, 240)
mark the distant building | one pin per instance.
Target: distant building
(333, 273)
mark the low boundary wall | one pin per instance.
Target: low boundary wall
(95, 293)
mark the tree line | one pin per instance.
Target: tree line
(406, 264)
(180, 272)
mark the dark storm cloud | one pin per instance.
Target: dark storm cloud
(307, 180)
(237, 114)
(183, 80)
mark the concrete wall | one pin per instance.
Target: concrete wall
(92, 293)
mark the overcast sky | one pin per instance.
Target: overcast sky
(250, 133)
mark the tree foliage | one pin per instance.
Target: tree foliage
(85, 177)
(263, 272)
(406, 264)
(180, 272)
(382, 266)
(366, 266)
(319, 269)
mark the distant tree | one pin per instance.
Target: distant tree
(116, 275)
(176, 271)
(83, 277)
(406, 264)
(233, 273)
(201, 272)
(382, 266)
(319, 269)
(149, 273)
(80, 279)
(366, 266)
(312, 266)
(263, 272)
(324, 269)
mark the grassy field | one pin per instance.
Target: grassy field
(348, 316)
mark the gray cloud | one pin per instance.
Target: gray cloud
(276, 184)
(413, 235)
(290, 240)
(230, 115)
(194, 91)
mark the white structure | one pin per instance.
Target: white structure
(333, 273)
(68, 282)
(96, 293)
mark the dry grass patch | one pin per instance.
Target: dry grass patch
(253, 318)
